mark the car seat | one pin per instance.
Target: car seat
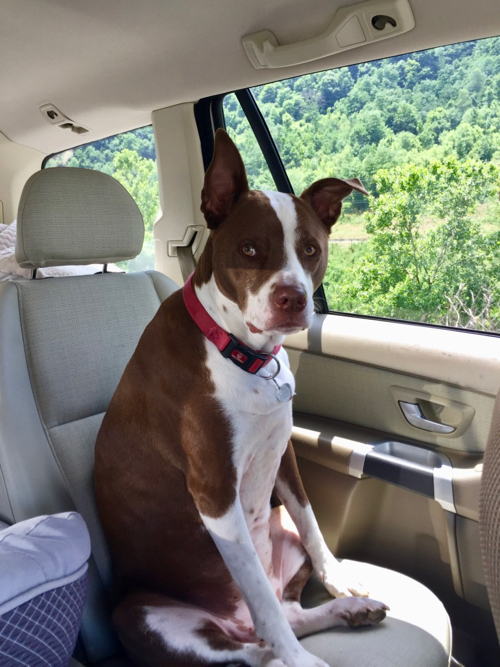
(64, 343)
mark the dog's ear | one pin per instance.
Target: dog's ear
(325, 197)
(225, 181)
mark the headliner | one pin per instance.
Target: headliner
(108, 65)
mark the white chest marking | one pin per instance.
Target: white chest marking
(260, 426)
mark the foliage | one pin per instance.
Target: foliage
(405, 110)
(139, 177)
(412, 272)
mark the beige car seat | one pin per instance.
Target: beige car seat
(64, 343)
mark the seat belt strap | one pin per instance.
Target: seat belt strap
(186, 260)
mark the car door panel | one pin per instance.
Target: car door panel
(348, 388)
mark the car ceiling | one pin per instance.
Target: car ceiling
(108, 64)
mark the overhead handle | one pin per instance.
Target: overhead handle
(352, 26)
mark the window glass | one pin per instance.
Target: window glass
(422, 131)
(131, 159)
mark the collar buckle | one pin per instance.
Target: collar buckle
(247, 359)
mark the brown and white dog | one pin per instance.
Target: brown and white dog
(196, 438)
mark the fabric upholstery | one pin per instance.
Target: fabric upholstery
(43, 630)
(10, 269)
(489, 515)
(30, 478)
(71, 329)
(79, 334)
(415, 633)
(76, 216)
(41, 554)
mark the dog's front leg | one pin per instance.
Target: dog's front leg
(232, 537)
(292, 494)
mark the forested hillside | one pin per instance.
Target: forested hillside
(422, 132)
(356, 120)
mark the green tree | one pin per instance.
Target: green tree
(406, 119)
(410, 271)
(139, 177)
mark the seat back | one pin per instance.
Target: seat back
(489, 515)
(64, 344)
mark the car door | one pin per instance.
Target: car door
(391, 417)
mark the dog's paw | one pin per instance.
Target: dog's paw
(301, 659)
(341, 587)
(362, 611)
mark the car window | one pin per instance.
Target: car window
(422, 131)
(129, 157)
(238, 128)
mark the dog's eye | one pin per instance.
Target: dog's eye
(310, 250)
(248, 250)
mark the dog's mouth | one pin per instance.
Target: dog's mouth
(292, 324)
(253, 329)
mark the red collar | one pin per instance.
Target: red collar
(229, 346)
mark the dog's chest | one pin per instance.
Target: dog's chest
(260, 423)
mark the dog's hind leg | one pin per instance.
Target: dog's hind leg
(157, 631)
(292, 494)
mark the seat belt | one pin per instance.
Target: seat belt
(186, 259)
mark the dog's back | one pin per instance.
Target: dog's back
(141, 468)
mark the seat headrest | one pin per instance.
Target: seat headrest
(76, 216)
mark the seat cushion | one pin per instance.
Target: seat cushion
(416, 632)
(54, 395)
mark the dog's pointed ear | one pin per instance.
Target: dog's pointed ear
(225, 181)
(325, 197)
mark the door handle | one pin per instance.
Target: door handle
(414, 416)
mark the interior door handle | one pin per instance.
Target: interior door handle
(414, 416)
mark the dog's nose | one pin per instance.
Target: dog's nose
(290, 299)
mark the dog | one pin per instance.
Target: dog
(197, 436)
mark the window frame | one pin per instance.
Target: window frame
(87, 143)
(210, 116)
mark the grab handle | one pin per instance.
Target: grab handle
(352, 26)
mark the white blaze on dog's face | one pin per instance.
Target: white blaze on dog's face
(267, 251)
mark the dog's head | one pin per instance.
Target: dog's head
(267, 251)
